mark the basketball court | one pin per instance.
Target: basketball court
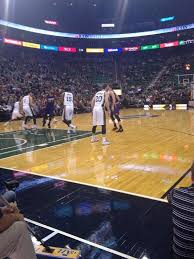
(106, 201)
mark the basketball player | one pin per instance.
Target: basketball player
(16, 111)
(114, 110)
(100, 102)
(68, 110)
(27, 108)
(49, 109)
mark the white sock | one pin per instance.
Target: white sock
(104, 139)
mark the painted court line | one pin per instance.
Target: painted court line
(14, 139)
(88, 184)
(109, 250)
(80, 135)
(173, 130)
(49, 236)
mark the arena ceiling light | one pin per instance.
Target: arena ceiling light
(107, 25)
(167, 19)
(96, 36)
(51, 22)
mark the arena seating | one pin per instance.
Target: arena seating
(21, 70)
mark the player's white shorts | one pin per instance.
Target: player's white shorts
(27, 111)
(16, 115)
(99, 116)
(68, 113)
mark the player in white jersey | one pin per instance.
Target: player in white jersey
(16, 113)
(100, 102)
(68, 110)
(27, 108)
(16, 110)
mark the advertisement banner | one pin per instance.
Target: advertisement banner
(181, 106)
(30, 45)
(94, 50)
(47, 47)
(149, 47)
(131, 49)
(169, 44)
(113, 50)
(186, 42)
(159, 107)
(66, 49)
(11, 41)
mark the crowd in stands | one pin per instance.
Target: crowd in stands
(148, 77)
(18, 75)
(155, 80)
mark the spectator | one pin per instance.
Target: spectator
(182, 200)
(7, 194)
(15, 241)
(10, 196)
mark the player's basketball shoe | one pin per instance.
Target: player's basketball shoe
(105, 142)
(34, 126)
(73, 128)
(24, 126)
(114, 129)
(94, 139)
(120, 130)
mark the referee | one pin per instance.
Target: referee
(182, 201)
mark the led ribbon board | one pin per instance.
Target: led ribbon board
(96, 36)
(95, 50)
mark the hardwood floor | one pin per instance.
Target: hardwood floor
(147, 158)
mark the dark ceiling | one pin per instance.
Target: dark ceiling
(86, 16)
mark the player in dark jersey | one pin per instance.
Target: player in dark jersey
(115, 109)
(49, 109)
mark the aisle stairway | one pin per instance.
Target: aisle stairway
(158, 77)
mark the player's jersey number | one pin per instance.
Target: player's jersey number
(98, 99)
(69, 99)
